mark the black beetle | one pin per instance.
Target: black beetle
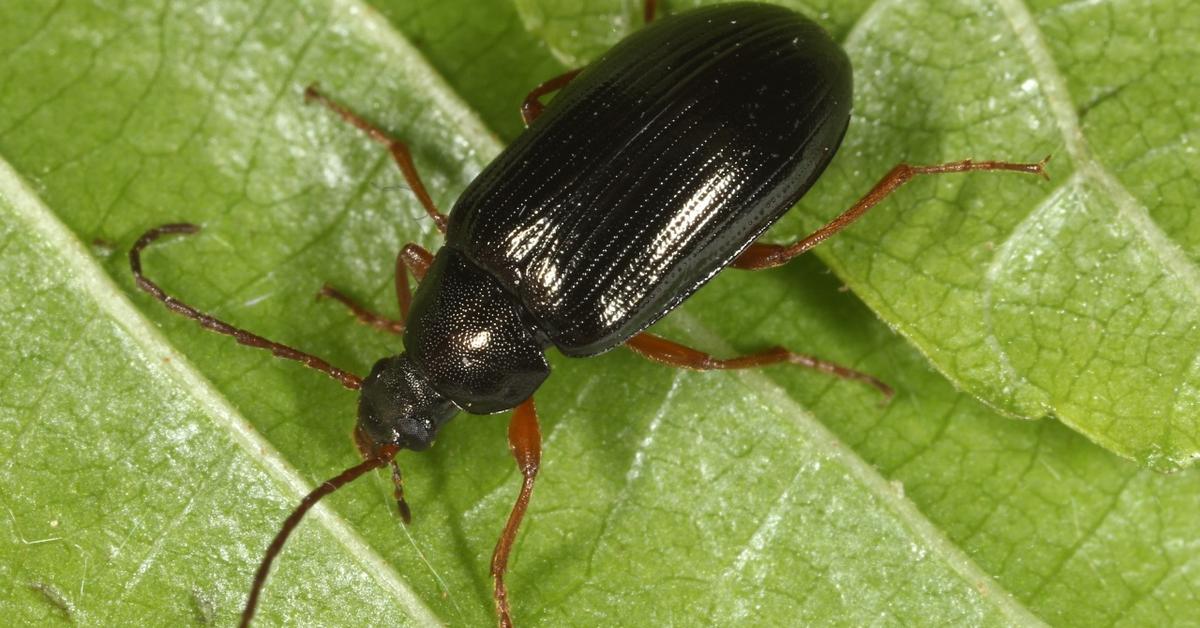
(652, 170)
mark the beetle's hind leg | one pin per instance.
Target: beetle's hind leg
(411, 259)
(674, 354)
(399, 150)
(760, 256)
(532, 106)
(649, 9)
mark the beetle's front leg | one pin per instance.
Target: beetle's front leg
(411, 259)
(415, 260)
(525, 442)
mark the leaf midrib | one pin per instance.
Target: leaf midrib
(159, 354)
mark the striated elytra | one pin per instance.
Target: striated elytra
(654, 168)
(651, 170)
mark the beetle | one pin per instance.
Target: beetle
(651, 170)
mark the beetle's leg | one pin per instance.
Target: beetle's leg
(349, 380)
(411, 259)
(532, 107)
(525, 442)
(648, 10)
(398, 149)
(364, 316)
(759, 256)
(674, 354)
(417, 261)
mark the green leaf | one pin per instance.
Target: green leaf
(1079, 299)
(131, 489)
(147, 469)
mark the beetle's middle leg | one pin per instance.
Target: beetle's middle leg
(398, 149)
(760, 256)
(411, 259)
(674, 354)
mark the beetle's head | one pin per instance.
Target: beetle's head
(399, 407)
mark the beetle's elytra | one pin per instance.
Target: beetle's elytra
(738, 107)
(651, 170)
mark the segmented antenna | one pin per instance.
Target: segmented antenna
(293, 520)
(349, 380)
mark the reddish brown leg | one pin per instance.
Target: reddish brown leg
(525, 442)
(412, 258)
(364, 316)
(674, 354)
(349, 380)
(648, 10)
(417, 261)
(759, 256)
(532, 107)
(398, 149)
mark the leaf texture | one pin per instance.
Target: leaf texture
(146, 469)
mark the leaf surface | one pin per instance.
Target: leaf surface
(140, 489)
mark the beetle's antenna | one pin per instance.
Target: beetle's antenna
(349, 380)
(387, 454)
(370, 449)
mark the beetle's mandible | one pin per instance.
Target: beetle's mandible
(652, 169)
